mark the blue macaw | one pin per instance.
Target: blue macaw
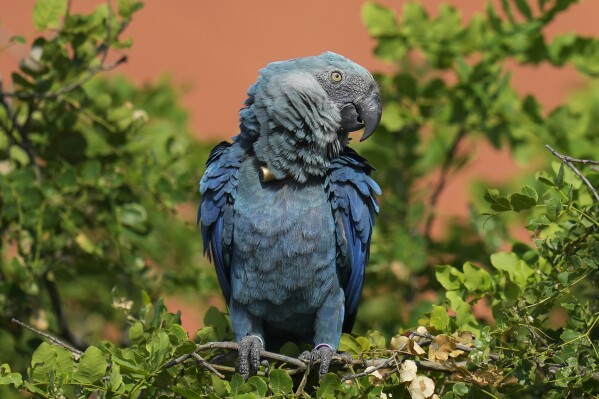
(287, 209)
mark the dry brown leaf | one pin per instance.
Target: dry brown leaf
(399, 342)
(414, 348)
(376, 376)
(465, 338)
(442, 348)
(407, 371)
(422, 330)
(421, 387)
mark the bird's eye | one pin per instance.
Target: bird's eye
(336, 76)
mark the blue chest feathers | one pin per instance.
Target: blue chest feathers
(283, 260)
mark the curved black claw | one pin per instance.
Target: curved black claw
(249, 355)
(322, 353)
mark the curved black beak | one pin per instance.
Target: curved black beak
(370, 111)
(364, 114)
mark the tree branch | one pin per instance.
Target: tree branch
(568, 161)
(65, 331)
(76, 352)
(445, 168)
(67, 88)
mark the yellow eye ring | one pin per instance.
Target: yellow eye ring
(336, 76)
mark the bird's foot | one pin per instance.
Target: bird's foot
(249, 355)
(323, 353)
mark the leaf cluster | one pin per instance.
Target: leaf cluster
(91, 174)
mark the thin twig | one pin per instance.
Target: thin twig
(65, 331)
(303, 382)
(459, 346)
(568, 161)
(76, 352)
(445, 168)
(67, 88)
(572, 159)
(369, 369)
(263, 354)
(207, 365)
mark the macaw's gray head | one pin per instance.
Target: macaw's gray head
(299, 113)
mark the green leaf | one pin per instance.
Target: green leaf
(280, 382)
(350, 345)
(521, 202)
(178, 333)
(439, 318)
(554, 208)
(391, 48)
(85, 243)
(48, 13)
(460, 389)
(376, 339)
(329, 384)
(136, 331)
(222, 388)
(464, 319)
(407, 85)
(89, 172)
(538, 222)
(134, 216)
(48, 359)
(19, 155)
(206, 334)
(497, 202)
(17, 39)
(559, 181)
(290, 349)
(259, 384)
(449, 277)
(545, 178)
(517, 270)
(379, 20)
(187, 393)
(530, 192)
(158, 348)
(128, 7)
(116, 378)
(91, 367)
(476, 278)
(364, 343)
(7, 378)
(218, 321)
(571, 337)
(524, 8)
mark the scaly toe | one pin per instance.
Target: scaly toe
(249, 355)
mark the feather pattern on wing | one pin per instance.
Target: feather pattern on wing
(216, 211)
(352, 197)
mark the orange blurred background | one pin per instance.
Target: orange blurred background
(215, 49)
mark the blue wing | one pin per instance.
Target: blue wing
(215, 213)
(352, 197)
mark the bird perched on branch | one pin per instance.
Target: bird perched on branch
(287, 209)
